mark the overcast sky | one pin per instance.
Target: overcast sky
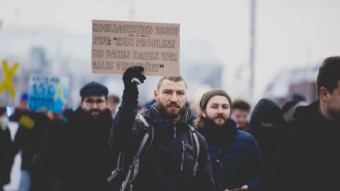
(289, 33)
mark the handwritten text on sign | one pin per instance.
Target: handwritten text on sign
(117, 45)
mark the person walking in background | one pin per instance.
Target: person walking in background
(30, 140)
(172, 162)
(235, 156)
(310, 153)
(112, 104)
(289, 107)
(6, 149)
(268, 127)
(240, 111)
(86, 159)
(53, 151)
(21, 109)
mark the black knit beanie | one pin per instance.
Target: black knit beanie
(93, 88)
(209, 94)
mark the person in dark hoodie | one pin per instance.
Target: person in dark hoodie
(310, 153)
(172, 162)
(235, 156)
(86, 159)
(268, 126)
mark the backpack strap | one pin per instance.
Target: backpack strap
(134, 166)
(148, 130)
(119, 167)
(197, 144)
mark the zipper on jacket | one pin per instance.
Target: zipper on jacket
(220, 157)
(183, 151)
(175, 130)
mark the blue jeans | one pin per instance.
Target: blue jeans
(25, 181)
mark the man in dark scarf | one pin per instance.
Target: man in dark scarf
(86, 159)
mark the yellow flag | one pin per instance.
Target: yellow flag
(8, 81)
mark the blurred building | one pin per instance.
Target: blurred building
(294, 81)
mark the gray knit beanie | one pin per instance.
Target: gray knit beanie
(209, 94)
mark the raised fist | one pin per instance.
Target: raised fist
(133, 76)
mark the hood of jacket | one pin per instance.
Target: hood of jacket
(266, 110)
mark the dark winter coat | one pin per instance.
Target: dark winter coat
(86, 157)
(169, 163)
(6, 155)
(30, 139)
(52, 156)
(310, 154)
(268, 137)
(234, 155)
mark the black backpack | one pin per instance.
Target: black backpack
(124, 178)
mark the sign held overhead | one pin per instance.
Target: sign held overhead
(117, 45)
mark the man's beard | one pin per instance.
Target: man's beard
(219, 134)
(163, 109)
(94, 113)
(211, 122)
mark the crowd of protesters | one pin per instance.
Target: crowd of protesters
(223, 145)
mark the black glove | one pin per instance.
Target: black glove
(132, 77)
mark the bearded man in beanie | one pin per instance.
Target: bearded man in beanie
(87, 159)
(235, 156)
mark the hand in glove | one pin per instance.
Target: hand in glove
(132, 77)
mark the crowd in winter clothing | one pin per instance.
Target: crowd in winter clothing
(290, 146)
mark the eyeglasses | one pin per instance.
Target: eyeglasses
(91, 102)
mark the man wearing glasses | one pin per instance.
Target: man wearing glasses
(87, 160)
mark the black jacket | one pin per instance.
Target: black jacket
(168, 165)
(310, 154)
(6, 155)
(31, 138)
(268, 137)
(86, 157)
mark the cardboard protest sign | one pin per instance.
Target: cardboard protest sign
(47, 92)
(117, 45)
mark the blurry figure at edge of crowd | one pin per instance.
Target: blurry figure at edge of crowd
(310, 153)
(235, 156)
(53, 151)
(169, 164)
(30, 140)
(240, 113)
(6, 149)
(86, 159)
(113, 103)
(289, 107)
(268, 127)
(21, 109)
(195, 104)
